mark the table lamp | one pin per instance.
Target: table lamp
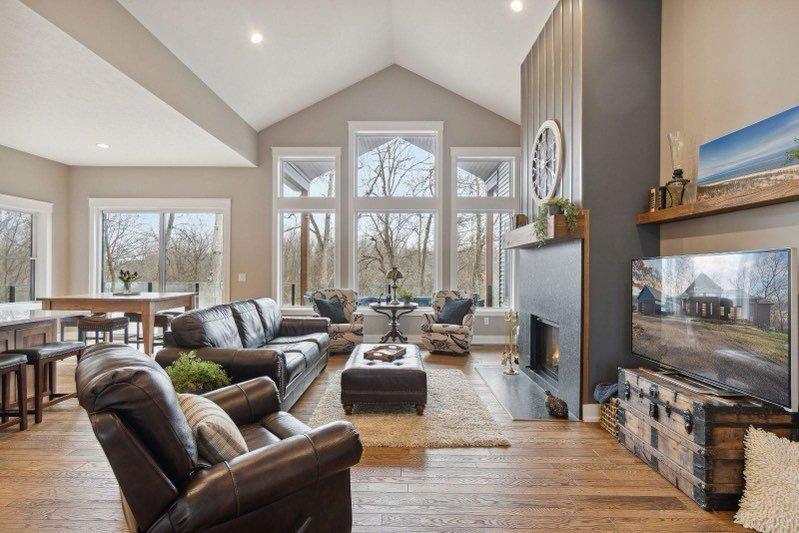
(393, 276)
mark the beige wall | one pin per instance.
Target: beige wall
(726, 64)
(28, 176)
(392, 94)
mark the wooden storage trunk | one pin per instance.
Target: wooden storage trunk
(694, 439)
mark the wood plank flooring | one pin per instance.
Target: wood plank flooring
(556, 476)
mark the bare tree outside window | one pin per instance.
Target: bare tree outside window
(16, 249)
(404, 240)
(130, 242)
(189, 257)
(193, 244)
(396, 166)
(308, 255)
(482, 265)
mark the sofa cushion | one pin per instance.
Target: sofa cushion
(270, 315)
(248, 322)
(218, 438)
(332, 309)
(309, 350)
(454, 311)
(213, 327)
(257, 436)
(295, 364)
(322, 340)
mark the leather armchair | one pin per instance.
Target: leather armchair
(293, 478)
(448, 338)
(343, 337)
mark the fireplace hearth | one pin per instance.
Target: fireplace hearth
(544, 348)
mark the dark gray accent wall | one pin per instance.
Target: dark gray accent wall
(595, 69)
(553, 291)
(621, 158)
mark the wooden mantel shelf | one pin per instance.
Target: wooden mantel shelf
(775, 194)
(524, 236)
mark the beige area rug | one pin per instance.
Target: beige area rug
(455, 417)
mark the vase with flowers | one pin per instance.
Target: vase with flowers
(127, 278)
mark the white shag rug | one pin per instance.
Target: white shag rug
(454, 417)
(771, 497)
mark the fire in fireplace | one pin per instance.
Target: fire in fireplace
(544, 347)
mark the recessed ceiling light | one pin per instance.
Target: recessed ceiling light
(256, 38)
(103, 146)
(517, 5)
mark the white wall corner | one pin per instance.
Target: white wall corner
(591, 413)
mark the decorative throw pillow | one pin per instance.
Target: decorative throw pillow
(454, 311)
(218, 438)
(771, 495)
(332, 309)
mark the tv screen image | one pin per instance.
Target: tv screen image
(724, 318)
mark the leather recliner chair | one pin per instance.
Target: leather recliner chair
(294, 478)
(250, 338)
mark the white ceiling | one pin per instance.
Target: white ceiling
(314, 48)
(58, 100)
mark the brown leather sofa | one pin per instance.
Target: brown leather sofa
(294, 478)
(250, 338)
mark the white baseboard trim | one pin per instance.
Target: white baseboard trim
(416, 339)
(591, 413)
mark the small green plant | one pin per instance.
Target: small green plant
(404, 295)
(190, 374)
(540, 223)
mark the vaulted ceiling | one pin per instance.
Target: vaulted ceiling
(178, 82)
(314, 48)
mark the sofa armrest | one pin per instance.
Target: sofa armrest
(302, 325)
(249, 401)
(264, 476)
(357, 318)
(241, 364)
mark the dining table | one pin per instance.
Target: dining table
(146, 304)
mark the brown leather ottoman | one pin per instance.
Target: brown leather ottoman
(400, 381)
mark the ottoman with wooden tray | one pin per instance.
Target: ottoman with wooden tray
(376, 381)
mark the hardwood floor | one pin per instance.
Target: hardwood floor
(555, 476)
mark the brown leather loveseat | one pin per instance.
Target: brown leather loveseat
(294, 478)
(250, 338)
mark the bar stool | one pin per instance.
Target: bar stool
(44, 358)
(11, 364)
(163, 319)
(102, 323)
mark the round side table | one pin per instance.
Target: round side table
(393, 313)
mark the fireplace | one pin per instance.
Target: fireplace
(544, 348)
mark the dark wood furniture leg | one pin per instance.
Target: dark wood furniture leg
(420, 409)
(38, 391)
(6, 392)
(347, 408)
(20, 415)
(22, 396)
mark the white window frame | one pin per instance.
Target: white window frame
(42, 243)
(411, 204)
(285, 204)
(155, 205)
(497, 204)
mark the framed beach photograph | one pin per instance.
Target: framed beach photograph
(754, 157)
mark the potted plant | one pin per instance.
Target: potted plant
(555, 206)
(405, 295)
(190, 374)
(127, 277)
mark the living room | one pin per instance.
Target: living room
(399, 265)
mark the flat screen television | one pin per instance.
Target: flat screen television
(728, 319)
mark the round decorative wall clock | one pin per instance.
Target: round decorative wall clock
(545, 162)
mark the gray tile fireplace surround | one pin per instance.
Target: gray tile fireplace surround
(550, 287)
